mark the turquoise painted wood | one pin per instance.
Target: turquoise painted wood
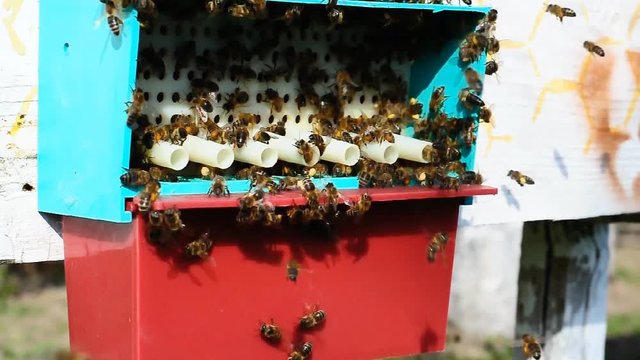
(87, 74)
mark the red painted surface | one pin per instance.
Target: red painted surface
(381, 295)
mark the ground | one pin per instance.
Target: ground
(33, 311)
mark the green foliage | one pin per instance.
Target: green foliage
(623, 324)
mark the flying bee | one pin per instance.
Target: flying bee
(155, 226)
(113, 18)
(262, 136)
(491, 67)
(276, 101)
(473, 80)
(305, 149)
(234, 99)
(318, 141)
(341, 170)
(172, 219)
(219, 187)
(292, 270)
(470, 99)
(292, 13)
(361, 206)
(471, 177)
(135, 177)
(303, 354)
(593, 48)
(200, 248)
(334, 13)
(531, 347)
(520, 178)
(437, 99)
(560, 12)
(270, 332)
(436, 245)
(215, 7)
(135, 107)
(312, 319)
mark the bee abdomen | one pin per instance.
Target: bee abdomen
(114, 24)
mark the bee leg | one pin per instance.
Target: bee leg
(226, 191)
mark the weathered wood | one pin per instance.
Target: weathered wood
(563, 297)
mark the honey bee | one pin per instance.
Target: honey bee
(471, 177)
(234, 99)
(426, 175)
(437, 99)
(312, 319)
(135, 177)
(153, 189)
(593, 48)
(292, 270)
(560, 12)
(162, 174)
(215, 7)
(318, 140)
(531, 347)
(214, 132)
(258, 8)
(144, 202)
(262, 136)
(333, 197)
(135, 107)
(288, 183)
(317, 170)
(341, 170)
(200, 248)
(472, 47)
(485, 115)
(236, 135)
(334, 14)
(361, 206)
(113, 19)
(178, 136)
(276, 101)
(270, 332)
(241, 73)
(470, 99)
(293, 12)
(295, 215)
(277, 128)
(403, 175)
(469, 135)
(305, 149)
(345, 87)
(491, 67)
(473, 79)
(436, 245)
(303, 354)
(155, 226)
(520, 178)
(240, 10)
(493, 45)
(218, 187)
(172, 219)
(450, 182)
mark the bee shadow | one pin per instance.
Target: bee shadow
(511, 199)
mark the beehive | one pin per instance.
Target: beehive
(87, 75)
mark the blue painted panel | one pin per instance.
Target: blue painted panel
(86, 75)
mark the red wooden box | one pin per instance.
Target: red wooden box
(381, 295)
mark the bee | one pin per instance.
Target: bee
(241, 73)
(295, 215)
(144, 202)
(469, 135)
(493, 46)
(334, 14)
(345, 87)
(471, 177)
(491, 67)
(262, 136)
(312, 319)
(234, 99)
(520, 178)
(288, 183)
(178, 136)
(560, 12)
(317, 170)
(239, 10)
(135, 177)
(162, 174)
(236, 135)
(450, 182)
(270, 332)
(304, 353)
(218, 187)
(318, 141)
(341, 170)
(531, 347)
(247, 119)
(333, 196)
(426, 175)
(172, 219)
(292, 270)
(258, 8)
(135, 107)
(361, 206)
(276, 101)
(387, 135)
(155, 226)
(472, 47)
(436, 245)
(153, 189)
(292, 13)
(470, 99)
(485, 115)
(437, 99)
(277, 128)
(473, 79)
(305, 149)
(113, 20)
(200, 248)
(593, 48)
(215, 7)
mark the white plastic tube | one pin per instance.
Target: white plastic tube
(337, 151)
(385, 152)
(257, 153)
(208, 152)
(169, 155)
(410, 148)
(288, 152)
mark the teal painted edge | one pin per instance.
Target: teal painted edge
(393, 5)
(85, 76)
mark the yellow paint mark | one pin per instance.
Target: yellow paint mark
(554, 87)
(492, 138)
(634, 20)
(633, 58)
(512, 44)
(583, 11)
(13, 6)
(536, 23)
(24, 109)
(534, 62)
(632, 108)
